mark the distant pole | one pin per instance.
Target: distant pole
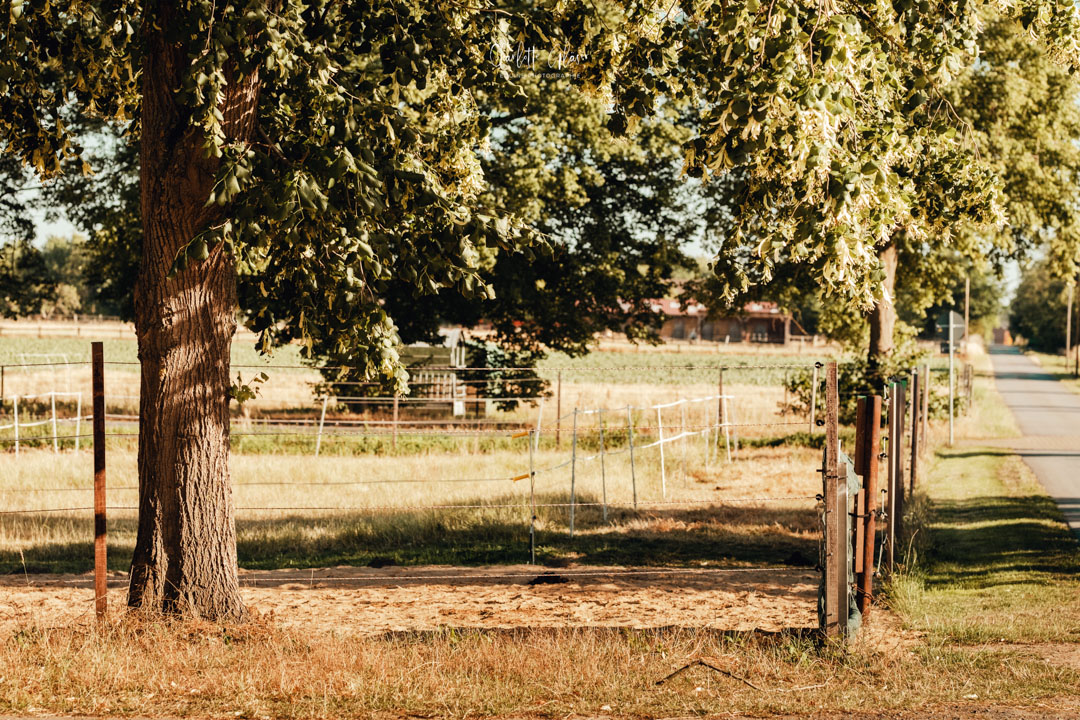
(720, 401)
(1068, 327)
(322, 419)
(558, 409)
(951, 383)
(682, 442)
(603, 469)
(100, 547)
(663, 473)
(924, 415)
(78, 420)
(393, 438)
(967, 309)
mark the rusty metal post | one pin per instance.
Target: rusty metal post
(101, 598)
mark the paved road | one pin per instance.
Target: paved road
(1048, 414)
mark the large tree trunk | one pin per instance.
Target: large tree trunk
(883, 320)
(185, 553)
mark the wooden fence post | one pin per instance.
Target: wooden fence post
(836, 537)
(901, 431)
(101, 598)
(870, 429)
(924, 416)
(916, 399)
(859, 461)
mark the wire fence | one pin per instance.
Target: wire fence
(576, 456)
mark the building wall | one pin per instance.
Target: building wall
(749, 329)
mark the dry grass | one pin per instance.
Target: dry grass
(41, 479)
(158, 668)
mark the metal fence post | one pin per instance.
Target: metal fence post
(539, 419)
(813, 397)
(322, 419)
(663, 472)
(52, 402)
(603, 470)
(721, 417)
(727, 428)
(532, 497)
(682, 442)
(630, 435)
(100, 546)
(393, 438)
(573, 474)
(78, 421)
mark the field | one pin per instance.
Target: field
(413, 610)
(435, 493)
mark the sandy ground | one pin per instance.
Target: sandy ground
(369, 600)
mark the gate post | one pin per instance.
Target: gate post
(835, 497)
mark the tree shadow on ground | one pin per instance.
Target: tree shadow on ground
(987, 541)
(718, 535)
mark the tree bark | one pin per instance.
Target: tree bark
(185, 552)
(883, 320)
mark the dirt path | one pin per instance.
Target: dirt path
(1048, 414)
(369, 600)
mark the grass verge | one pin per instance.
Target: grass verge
(991, 559)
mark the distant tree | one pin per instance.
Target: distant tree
(24, 283)
(1037, 313)
(1020, 113)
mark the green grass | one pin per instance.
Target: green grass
(1060, 366)
(123, 350)
(995, 561)
(692, 367)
